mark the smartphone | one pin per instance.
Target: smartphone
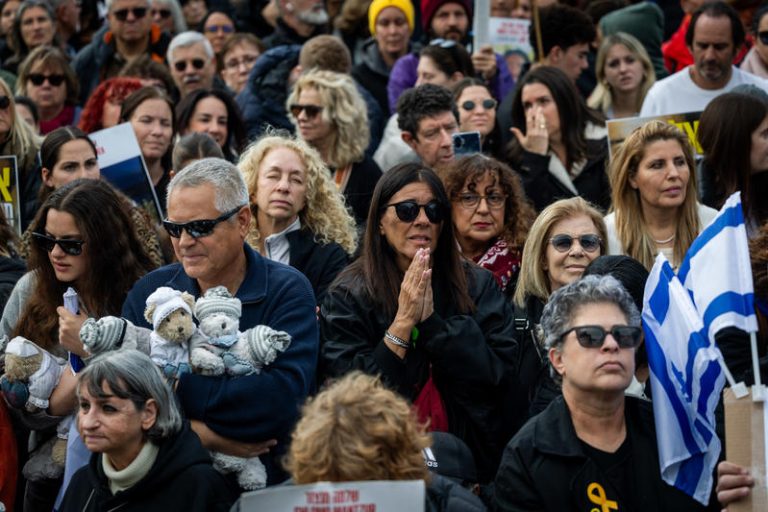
(466, 143)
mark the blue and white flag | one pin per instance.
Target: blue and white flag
(686, 380)
(717, 272)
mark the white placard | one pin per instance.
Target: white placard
(510, 34)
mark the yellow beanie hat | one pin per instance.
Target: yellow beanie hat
(378, 5)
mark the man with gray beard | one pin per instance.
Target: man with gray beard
(298, 21)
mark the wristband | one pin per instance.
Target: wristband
(400, 342)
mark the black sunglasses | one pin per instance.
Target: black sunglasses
(198, 228)
(763, 36)
(487, 104)
(138, 13)
(563, 243)
(5, 102)
(69, 246)
(181, 65)
(593, 336)
(39, 78)
(310, 110)
(163, 13)
(407, 211)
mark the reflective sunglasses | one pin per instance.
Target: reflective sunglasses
(407, 211)
(227, 29)
(763, 36)
(310, 110)
(198, 228)
(5, 102)
(487, 104)
(163, 13)
(38, 79)
(138, 13)
(593, 336)
(69, 246)
(470, 200)
(563, 243)
(181, 65)
(443, 43)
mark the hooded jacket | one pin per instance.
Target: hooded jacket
(182, 478)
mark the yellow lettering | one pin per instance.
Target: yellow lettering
(596, 495)
(690, 130)
(5, 183)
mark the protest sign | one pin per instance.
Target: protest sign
(9, 191)
(619, 129)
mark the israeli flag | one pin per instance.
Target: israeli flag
(686, 380)
(717, 272)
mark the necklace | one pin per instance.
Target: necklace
(665, 241)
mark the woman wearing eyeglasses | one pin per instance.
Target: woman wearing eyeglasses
(592, 447)
(477, 112)
(237, 58)
(491, 215)
(654, 196)
(217, 27)
(84, 238)
(47, 79)
(436, 328)
(331, 116)
(213, 112)
(756, 60)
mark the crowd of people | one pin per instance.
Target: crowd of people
(482, 309)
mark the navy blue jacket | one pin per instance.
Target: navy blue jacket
(255, 407)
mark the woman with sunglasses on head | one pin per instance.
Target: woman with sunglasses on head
(653, 183)
(491, 215)
(756, 60)
(331, 116)
(150, 112)
(46, 77)
(34, 26)
(167, 15)
(477, 112)
(84, 239)
(435, 327)
(213, 112)
(593, 444)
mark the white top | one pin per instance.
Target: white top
(706, 215)
(678, 94)
(276, 245)
(392, 149)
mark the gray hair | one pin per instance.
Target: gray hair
(563, 303)
(227, 181)
(132, 375)
(187, 39)
(179, 23)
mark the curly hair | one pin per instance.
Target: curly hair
(115, 90)
(116, 259)
(48, 58)
(344, 108)
(356, 429)
(518, 212)
(324, 212)
(631, 227)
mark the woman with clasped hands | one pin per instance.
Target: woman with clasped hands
(437, 329)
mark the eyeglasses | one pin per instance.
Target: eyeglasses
(163, 13)
(69, 246)
(227, 29)
(443, 43)
(310, 110)
(181, 65)
(38, 79)
(407, 211)
(563, 243)
(763, 36)
(138, 13)
(470, 200)
(487, 104)
(198, 228)
(5, 102)
(593, 336)
(246, 61)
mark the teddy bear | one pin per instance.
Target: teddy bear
(220, 348)
(170, 313)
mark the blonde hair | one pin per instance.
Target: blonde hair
(357, 429)
(631, 228)
(344, 108)
(324, 212)
(21, 138)
(533, 278)
(602, 97)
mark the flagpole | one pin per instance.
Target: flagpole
(757, 389)
(739, 388)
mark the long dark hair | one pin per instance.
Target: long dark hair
(236, 137)
(116, 259)
(135, 99)
(376, 268)
(573, 111)
(51, 147)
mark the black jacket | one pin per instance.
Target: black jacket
(373, 74)
(363, 178)
(471, 355)
(181, 478)
(445, 495)
(544, 467)
(11, 270)
(320, 263)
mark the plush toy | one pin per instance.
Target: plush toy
(170, 313)
(219, 347)
(108, 333)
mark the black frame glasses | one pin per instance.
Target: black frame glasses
(181, 65)
(563, 243)
(68, 245)
(163, 13)
(213, 29)
(593, 336)
(408, 211)
(5, 102)
(38, 79)
(470, 200)
(198, 228)
(487, 104)
(138, 13)
(310, 110)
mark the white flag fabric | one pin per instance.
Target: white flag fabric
(686, 380)
(717, 272)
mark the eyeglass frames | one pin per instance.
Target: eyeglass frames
(311, 111)
(407, 211)
(593, 336)
(198, 228)
(38, 79)
(487, 104)
(469, 200)
(69, 246)
(138, 13)
(563, 243)
(181, 65)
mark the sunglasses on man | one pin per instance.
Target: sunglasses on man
(138, 13)
(198, 228)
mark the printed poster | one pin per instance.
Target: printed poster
(369, 496)
(123, 166)
(510, 34)
(619, 129)
(9, 191)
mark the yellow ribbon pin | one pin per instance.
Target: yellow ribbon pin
(596, 495)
